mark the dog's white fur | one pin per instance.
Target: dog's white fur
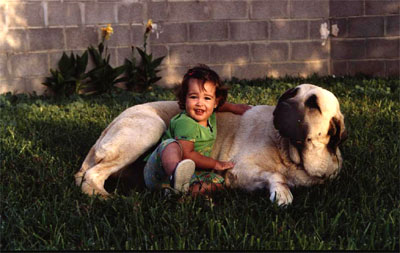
(269, 151)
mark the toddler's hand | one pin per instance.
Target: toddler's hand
(224, 165)
(241, 108)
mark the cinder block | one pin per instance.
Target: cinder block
(393, 26)
(230, 53)
(228, 10)
(35, 85)
(158, 11)
(172, 76)
(25, 14)
(189, 54)
(2, 16)
(348, 49)
(289, 30)
(137, 35)
(159, 51)
(46, 39)
(382, 7)
(14, 41)
(171, 33)
(3, 66)
(55, 58)
(250, 71)
(208, 31)
(366, 27)
(87, 36)
(298, 69)
(346, 8)
(188, 11)
(282, 69)
(368, 67)
(121, 36)
(339, 68)
(244, 31)
(305, 51)
(125, 53)
(318, 67)
(64, 14)
(270, 52)
(268, 9)
(309, 9)
(393, 68)
(34, 14)
(13, 85)
(383, 48)
(224, 71)
(130, 13)
(314, 28)
(100, 13)
(24, 65)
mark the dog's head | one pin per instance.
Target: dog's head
(310, 118)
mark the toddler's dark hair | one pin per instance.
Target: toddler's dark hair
(203, 73)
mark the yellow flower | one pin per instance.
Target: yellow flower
(149, 26)
(107, 31)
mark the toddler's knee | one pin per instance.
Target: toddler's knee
(173, 149)
(173, 146)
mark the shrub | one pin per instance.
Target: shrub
(69, 78)
(141, 77)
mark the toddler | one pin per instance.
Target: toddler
(186, 145)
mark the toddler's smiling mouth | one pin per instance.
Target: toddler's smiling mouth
(198, 111)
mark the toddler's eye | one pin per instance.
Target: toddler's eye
(193, 97)
(208, 98)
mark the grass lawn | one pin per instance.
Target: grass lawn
(43, 142)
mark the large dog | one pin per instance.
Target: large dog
(292, 144)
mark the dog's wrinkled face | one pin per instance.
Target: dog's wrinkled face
(310, 118)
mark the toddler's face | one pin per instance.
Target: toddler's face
(200, 103)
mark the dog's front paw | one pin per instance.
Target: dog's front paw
(280, 193)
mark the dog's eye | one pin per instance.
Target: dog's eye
(308, 139)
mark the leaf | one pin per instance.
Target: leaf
(141, 53)
(65, 65)
(157, 61)
(97, 60)
(81, 64)
(154, 80)
(119, 70)
(101, 48)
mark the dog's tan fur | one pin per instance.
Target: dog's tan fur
(268, 147)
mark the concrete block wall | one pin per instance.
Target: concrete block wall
(369, 40)
(238, 38)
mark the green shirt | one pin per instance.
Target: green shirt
(183, 127)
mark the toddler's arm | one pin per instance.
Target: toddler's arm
(234, 108)
(200, 160)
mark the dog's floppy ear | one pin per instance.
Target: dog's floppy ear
(337, 132)
(288, 118)
(288, 94)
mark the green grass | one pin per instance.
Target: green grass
(43, 143)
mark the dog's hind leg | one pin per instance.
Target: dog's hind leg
(93, 179)
(87, 164)
(120, 146)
